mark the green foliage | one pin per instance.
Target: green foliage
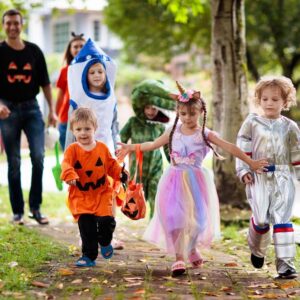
(152, 29)
(182, 10)
(275, 34)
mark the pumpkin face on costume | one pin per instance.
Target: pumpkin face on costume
(19, 74)
(92, 176)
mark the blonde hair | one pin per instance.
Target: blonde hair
(288, 91)
(83, 114)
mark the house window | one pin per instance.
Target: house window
(61, 36)
(97, 31)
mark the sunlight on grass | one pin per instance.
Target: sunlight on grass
(24, 253)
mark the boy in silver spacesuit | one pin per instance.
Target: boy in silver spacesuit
(271, 194)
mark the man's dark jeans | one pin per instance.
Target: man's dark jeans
(27, 117)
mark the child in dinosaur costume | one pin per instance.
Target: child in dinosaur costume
(149, 99)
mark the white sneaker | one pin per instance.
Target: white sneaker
(117, 244)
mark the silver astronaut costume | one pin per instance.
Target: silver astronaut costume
(271, 197)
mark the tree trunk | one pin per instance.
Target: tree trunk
(229, 90)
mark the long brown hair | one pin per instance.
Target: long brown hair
(75, 37)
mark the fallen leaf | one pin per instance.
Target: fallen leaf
(94, 280)
(288, 285)
(105, 281)
(107, 272)
(140, 291)
(265, 296)
(65, 272)
(133, 284)
(142, 260)
(60, 286)
(225, 289)
(12, 264)
(77, 281)
(40, 284)
(264, 286)
(213, 294)
(113, 286)
(132, 279)
(231, 264)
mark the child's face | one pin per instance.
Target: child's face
(271, 102)
(76, 47)
(96, 77)
(84, 132)
(150, 112)
(189, 116)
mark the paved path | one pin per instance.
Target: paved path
(141, 271)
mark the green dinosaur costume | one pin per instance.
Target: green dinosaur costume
(139, 129)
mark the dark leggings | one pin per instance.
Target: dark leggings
(94, 230)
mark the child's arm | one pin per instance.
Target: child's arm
(294, 139)
(255, 165)
(68, 173)
(115, 128)
(147, 146)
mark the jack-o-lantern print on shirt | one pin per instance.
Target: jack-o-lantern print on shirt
(19, 74)
(93, 175)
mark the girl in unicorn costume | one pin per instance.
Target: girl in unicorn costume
(186, 212)
(103, 102)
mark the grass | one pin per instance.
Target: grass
(24, 253)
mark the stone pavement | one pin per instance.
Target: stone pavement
(142, 271)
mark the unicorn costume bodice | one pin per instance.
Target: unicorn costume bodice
(103, 105)
(189, 150)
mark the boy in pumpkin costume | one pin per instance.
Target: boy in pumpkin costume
(86, 166)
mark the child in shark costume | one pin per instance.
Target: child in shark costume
(103, 103)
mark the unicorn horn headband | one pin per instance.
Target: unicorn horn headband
(186, 95)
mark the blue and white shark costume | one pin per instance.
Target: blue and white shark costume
(102, 104)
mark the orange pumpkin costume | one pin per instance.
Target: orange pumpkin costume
(92, 193)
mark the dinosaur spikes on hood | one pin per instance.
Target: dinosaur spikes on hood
(152, 92)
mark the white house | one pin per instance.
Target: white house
(50, 26)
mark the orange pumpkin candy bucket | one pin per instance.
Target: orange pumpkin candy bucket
(134, 205)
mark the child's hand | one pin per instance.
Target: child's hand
(124, 175)
(123, 151)
(71, 182)
(258, 165)
(247, 178)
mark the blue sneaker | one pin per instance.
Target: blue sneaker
(84, 261)
(107, 252)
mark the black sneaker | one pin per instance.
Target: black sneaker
(257, 262)
(39, 217)
(18, 219)
(289, 274)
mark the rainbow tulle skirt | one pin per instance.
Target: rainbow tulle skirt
(186, 211)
